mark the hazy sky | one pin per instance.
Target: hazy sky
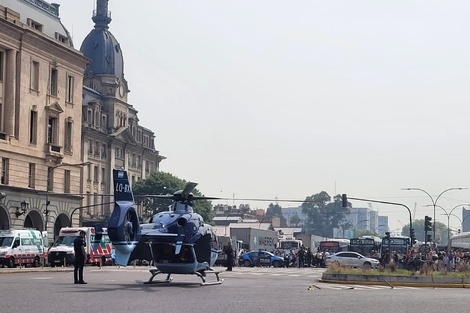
(265, 99)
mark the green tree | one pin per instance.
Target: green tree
(323, 214)
(418, 225)
(295, 220)
(161, 183)
(276, 210)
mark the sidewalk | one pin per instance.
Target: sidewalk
(34, 269)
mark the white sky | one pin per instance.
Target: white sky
(271, 98)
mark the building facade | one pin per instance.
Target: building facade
(65, 122)
(111, 134)
(40, 116)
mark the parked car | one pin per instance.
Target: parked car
(261, 258)
(350, 258)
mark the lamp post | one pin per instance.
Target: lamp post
(50, 184)
(377, 228)
(448, 221)
(434, 204)
(355, 226)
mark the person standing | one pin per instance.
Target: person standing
(80, 257)
(229, 252)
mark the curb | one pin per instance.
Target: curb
(396, 284)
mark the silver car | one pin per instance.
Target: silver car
(350, 258)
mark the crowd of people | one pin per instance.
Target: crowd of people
(304, 257)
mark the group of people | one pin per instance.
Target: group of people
(304, 257)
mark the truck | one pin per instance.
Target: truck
(62, 252)
(22, 247)
(288, 245)
(256, 239)
(222, 242)
(308, 240)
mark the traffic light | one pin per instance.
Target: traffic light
(387, 235)
(427, 223)
(412, 236)
(344, 200)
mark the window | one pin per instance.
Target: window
(69, 96)
(103, 122)
(67, 181)
(52, 130)
(89, 171)
(61, 38)
(96, 174)
(34, 24)
(50, 179)
(31, 175)
(103, 175)
(103, 151)
(89, 118)
(35, 75)
(97, 118)
(68, 135)
(118, 152)
(53, 82)
(90, 146)
(5, 169)
(33, 127)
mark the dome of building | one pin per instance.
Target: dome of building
(101, 47)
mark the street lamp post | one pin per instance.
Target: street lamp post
(355, 226)
(434, 204)
(448, 222)
(50, 184)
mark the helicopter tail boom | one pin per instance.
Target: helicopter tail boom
(123, 226)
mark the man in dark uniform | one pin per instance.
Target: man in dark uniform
(229, 252)
(80, 257)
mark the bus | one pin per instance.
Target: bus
(460, 241)
(399, 244)
(334, 245)
(368, 246)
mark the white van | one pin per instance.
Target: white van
(22, 247)
(62, 252)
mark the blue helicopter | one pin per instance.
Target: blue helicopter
(179, 240)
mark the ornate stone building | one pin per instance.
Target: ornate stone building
(112, 136)
(62, 133)
(41, 78)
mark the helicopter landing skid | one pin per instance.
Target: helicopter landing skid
(155, 273)
(210, 271)
(168, 279)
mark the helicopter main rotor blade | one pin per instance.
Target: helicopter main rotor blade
(265, 200)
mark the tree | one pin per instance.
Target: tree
(276, 210)
(323, 214)
(161, 183)
(295, 220)
(418, 225)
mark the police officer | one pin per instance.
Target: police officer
(80, 257)
(229, 252)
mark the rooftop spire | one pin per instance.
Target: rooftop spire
(101, 16)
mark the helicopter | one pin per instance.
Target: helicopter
(179, 240)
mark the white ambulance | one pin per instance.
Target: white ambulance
(22, 247)
(62, 252)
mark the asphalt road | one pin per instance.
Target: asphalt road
(243, 290)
